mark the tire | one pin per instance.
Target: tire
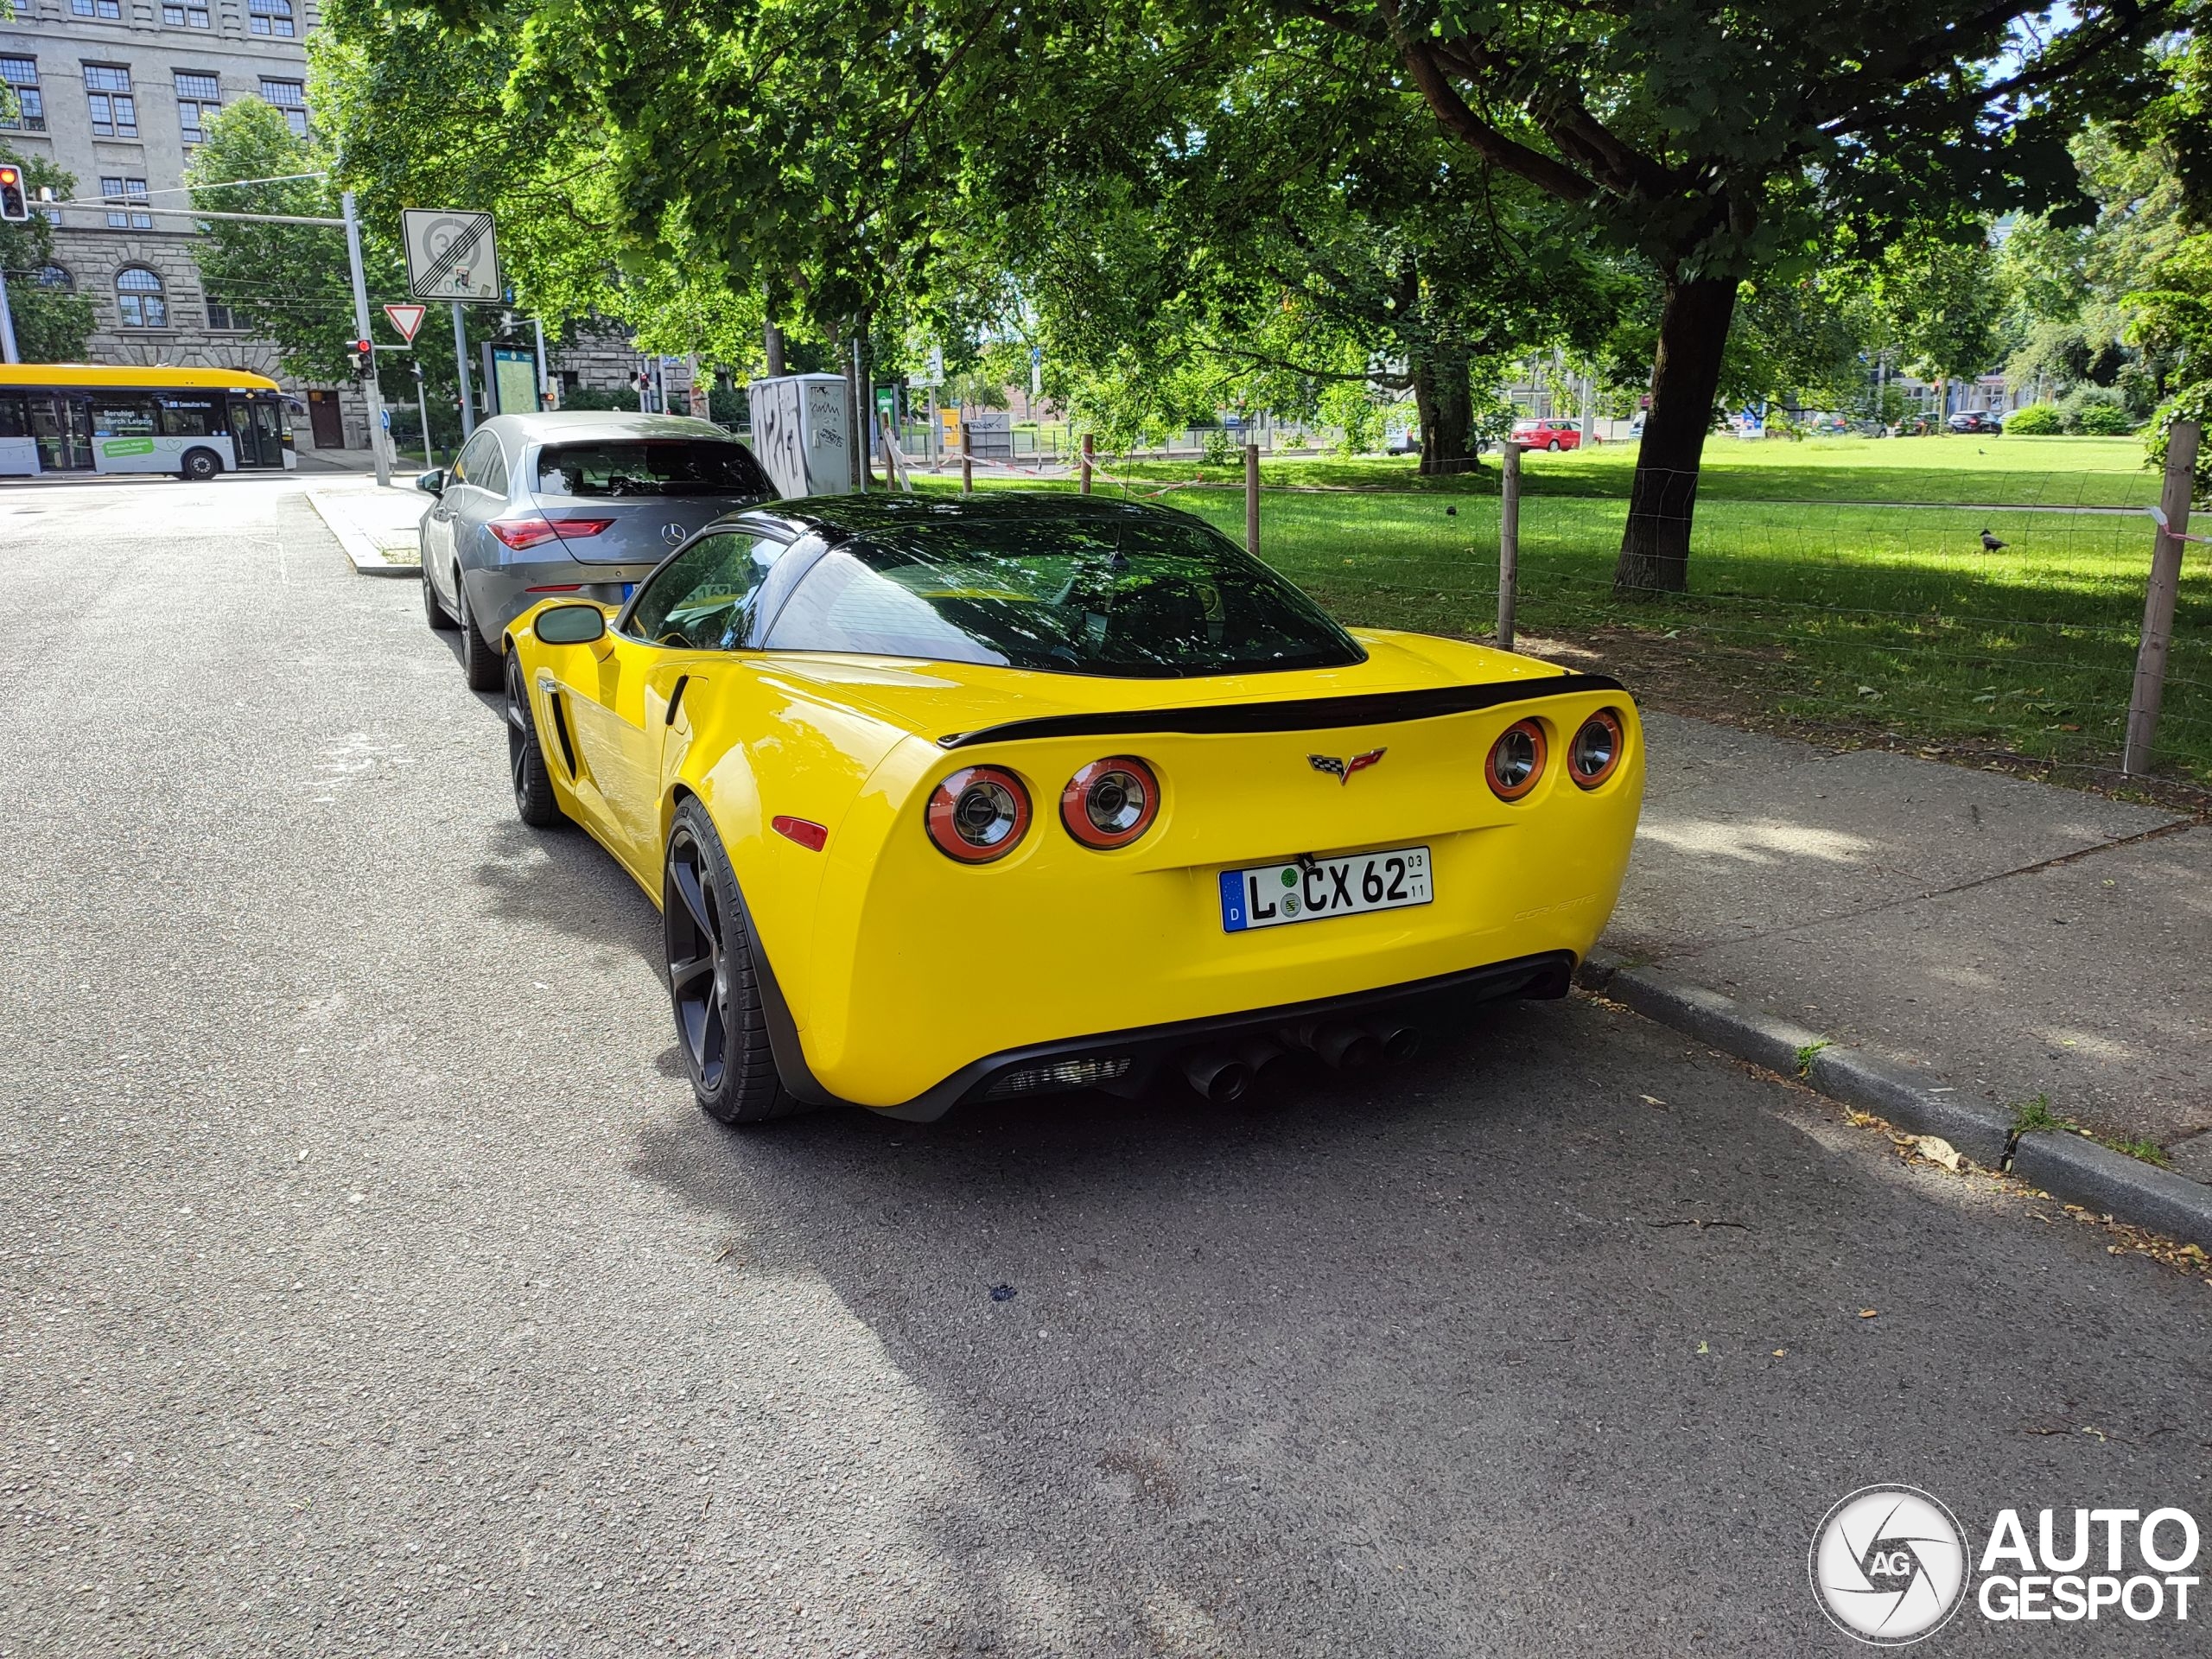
(721, 1026)
(1552, 446)
(481, 664)
(200, 465)
(434, 609)
(535, 803)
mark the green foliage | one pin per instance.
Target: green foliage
(286, 282)
(2033, 420)
(52, 324)
(2191, 404)
(589, 397)
(1221, 450)
(729, 405)
(2095, 413)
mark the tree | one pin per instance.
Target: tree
(1720, 142)
(290, 284)
(52, 322)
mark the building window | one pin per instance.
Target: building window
(56, 277)
(291, 96)
(111, 10)
(219, 320)
(115, 112)
(269, 16)
(185, 16)
(126, 190)
(21, 75)
(198, 98)
(138, 296)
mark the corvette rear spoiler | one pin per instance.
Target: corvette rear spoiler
(1300, 715)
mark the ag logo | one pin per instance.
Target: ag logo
(1889, 1565)
(1343, 769)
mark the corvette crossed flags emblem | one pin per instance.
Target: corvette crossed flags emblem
(1343, 769)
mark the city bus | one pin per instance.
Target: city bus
(77, 417)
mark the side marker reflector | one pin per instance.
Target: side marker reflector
(809, 835)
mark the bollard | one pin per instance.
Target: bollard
(1252, 499)
(2181, 440)
(1509, 542)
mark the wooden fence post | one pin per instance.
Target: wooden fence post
(967, 459)
(1509, 542)
(2181, 440)
(1252, 499)
(1086, 463)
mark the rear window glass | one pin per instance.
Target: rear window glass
(651, 467)
(1158, 598)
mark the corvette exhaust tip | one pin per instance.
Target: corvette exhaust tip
(1218, 1077)
(1267, 1062)
(1345, 1047)
(1397, 1043)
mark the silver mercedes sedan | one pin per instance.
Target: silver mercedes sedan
(580, 502)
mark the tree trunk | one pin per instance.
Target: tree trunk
(774, 343)
(1685, 379)
(1446, 403)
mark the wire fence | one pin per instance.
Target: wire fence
(2008, 630)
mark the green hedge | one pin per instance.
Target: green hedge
(2035, 420)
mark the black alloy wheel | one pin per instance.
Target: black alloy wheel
(535, 803)
(201, 465)
(711, 982)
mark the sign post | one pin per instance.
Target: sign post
(453, 255)
(379, 428)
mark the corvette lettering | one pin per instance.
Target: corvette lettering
(1343, 769)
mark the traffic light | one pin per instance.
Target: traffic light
(359, 355)
(15, 199)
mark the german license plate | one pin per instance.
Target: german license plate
(1274, 895)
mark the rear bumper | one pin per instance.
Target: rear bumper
(1153, 1048)
(499, 593)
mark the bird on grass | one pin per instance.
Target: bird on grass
(1989, 543)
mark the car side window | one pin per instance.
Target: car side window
(491, 471)
(470, 460)
(702, 600)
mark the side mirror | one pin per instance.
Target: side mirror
(570, 624)
(432, 482)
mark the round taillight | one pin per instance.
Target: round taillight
(978, 814)
(1110, 803)
(1596, 751)
(1517, 759)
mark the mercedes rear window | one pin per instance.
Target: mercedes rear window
(1157, 598)
(651, 467)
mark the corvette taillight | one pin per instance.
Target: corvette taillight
(519, 533)
(1516, 761)
(1595, 754)
(1110, 803)
(978, 814)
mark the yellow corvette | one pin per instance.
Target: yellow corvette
(993, 797)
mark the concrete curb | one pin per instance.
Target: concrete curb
(2068, 1166)
(368, 559)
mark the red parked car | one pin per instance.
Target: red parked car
(1548, 434)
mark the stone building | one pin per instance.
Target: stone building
(118, 92)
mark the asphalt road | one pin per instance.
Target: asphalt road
(369, 1284)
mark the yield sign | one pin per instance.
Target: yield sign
(406, 318)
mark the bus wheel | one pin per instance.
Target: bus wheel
(201, 465)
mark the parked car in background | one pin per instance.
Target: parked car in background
(577, 503)
(1554, 435)
(1976, 420)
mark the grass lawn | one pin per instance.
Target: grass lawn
(2005, 471)
(1852, 621)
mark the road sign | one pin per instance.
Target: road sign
(407, 318)
(451, 256)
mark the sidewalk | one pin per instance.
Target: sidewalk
(2009, 939)
(375, 526)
